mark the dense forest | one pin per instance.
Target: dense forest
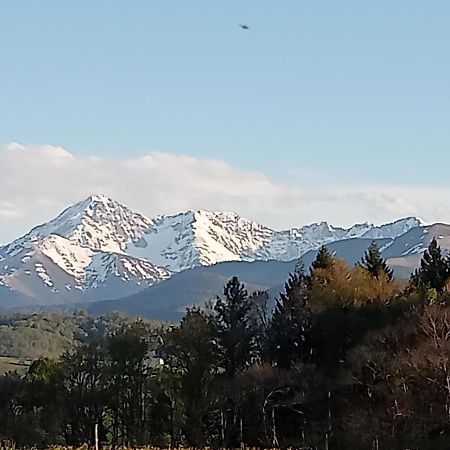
(349, 359)
(31, 336)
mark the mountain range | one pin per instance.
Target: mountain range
(99, 250)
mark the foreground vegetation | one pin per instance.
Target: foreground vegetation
(349, 359)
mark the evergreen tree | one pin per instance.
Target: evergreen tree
(236, 335)
(12, 426)
(260, 320)
(323, 259)
(291, 323)
(237, 350)
(130, 373)
(434, 269)
(374, 263)
(85, 375)
(190, 365)
(44, 394)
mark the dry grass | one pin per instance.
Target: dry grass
(10, 364)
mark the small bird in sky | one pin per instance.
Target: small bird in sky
(244, 27)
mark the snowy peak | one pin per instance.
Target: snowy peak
(201, 237)
(99, 247)
(107, 225)
(393, 229)
(98, 223)
(196, 238)
(80, 252)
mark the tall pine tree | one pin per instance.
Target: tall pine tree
(236, 334)
(375, 264)
(323, 259)
(434, 270)
(289, 338)
(190, 364)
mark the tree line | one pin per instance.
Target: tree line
(48, 334)
(348, 358)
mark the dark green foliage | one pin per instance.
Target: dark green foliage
(130, 369)
(189, 367)
(237, 346)
(339, 329)
(290, 331)
(11, 417)
(43, 392)
(235, 334)
(323, 259)
(49, 335)
(434, 269)
(37, 335)
(85, 374)
(375, 264)
(364, 375)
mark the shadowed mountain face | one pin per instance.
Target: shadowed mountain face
(99, 249)
(405, 252)
(169, 299)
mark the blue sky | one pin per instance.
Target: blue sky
(328, 110)
(350, 89)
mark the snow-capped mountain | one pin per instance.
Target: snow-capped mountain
(99, 249)
(98, 223)
(199, 238)
(79, 255)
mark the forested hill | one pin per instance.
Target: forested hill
(49, 335)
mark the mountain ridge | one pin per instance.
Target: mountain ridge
(99, 248)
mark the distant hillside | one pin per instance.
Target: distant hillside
(169, 299)
(30, 336)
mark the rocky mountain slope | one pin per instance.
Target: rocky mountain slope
(168, 300)
(99, 249)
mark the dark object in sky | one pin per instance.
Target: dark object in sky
(244, 27)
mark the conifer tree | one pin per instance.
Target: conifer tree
(291, 323)
(189, 357)
(374, 263)
(323, 259)
(434, 269)
(236, 336)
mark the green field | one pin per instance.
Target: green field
(10, 364)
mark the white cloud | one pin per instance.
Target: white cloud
(36, 183)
